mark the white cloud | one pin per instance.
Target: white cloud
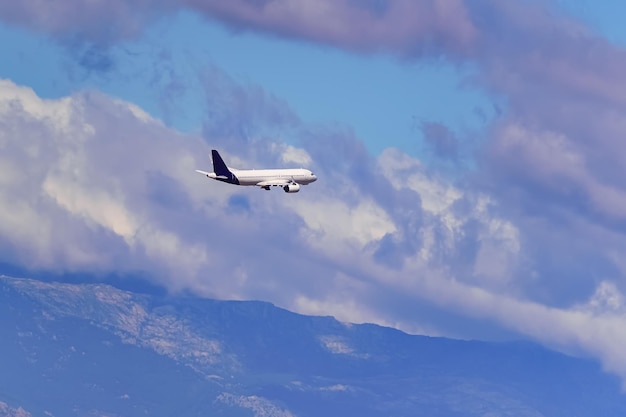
(336, 387)
(93, 205)
(23, 99)
(497, 239)
(344, 306)
(336, 345)
(552, 160)
(93, 184)
(259, 406)
(65, 188)
(606, 299)
(138, 112)
(499, 246)
(291, 155)
(331, 222)
(402, 171)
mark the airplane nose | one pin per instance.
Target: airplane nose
(313, 177)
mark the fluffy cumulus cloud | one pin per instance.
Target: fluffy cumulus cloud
(92, 182)
(59, 157)
(531, 238)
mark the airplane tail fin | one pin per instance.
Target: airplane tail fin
(222, 173)
(219, 167)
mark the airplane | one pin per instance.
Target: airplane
(289, 179)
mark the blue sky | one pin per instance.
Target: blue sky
(381, 97)
(603, 17)
(470, 158)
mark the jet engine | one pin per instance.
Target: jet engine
(291, 188)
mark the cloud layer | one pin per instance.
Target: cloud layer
(530, 239)
(412, 26)
(91, 182)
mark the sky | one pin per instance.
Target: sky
(469, 154)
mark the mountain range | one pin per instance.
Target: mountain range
(96, 350)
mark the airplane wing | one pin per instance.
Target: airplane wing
(289, 185)
(278, 182)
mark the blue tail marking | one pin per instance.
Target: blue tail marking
(221, 170)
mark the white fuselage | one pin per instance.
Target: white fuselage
(256, 176)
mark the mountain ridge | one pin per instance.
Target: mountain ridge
(253, 358)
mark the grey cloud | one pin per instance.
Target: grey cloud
(258, 112)
(440, 139)
(96, 21)
(107, 185)
(94, 58)
(550, 228)
(424, 26)
(409, 26)
(112, 188)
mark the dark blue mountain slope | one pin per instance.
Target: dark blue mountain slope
(82, 350)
